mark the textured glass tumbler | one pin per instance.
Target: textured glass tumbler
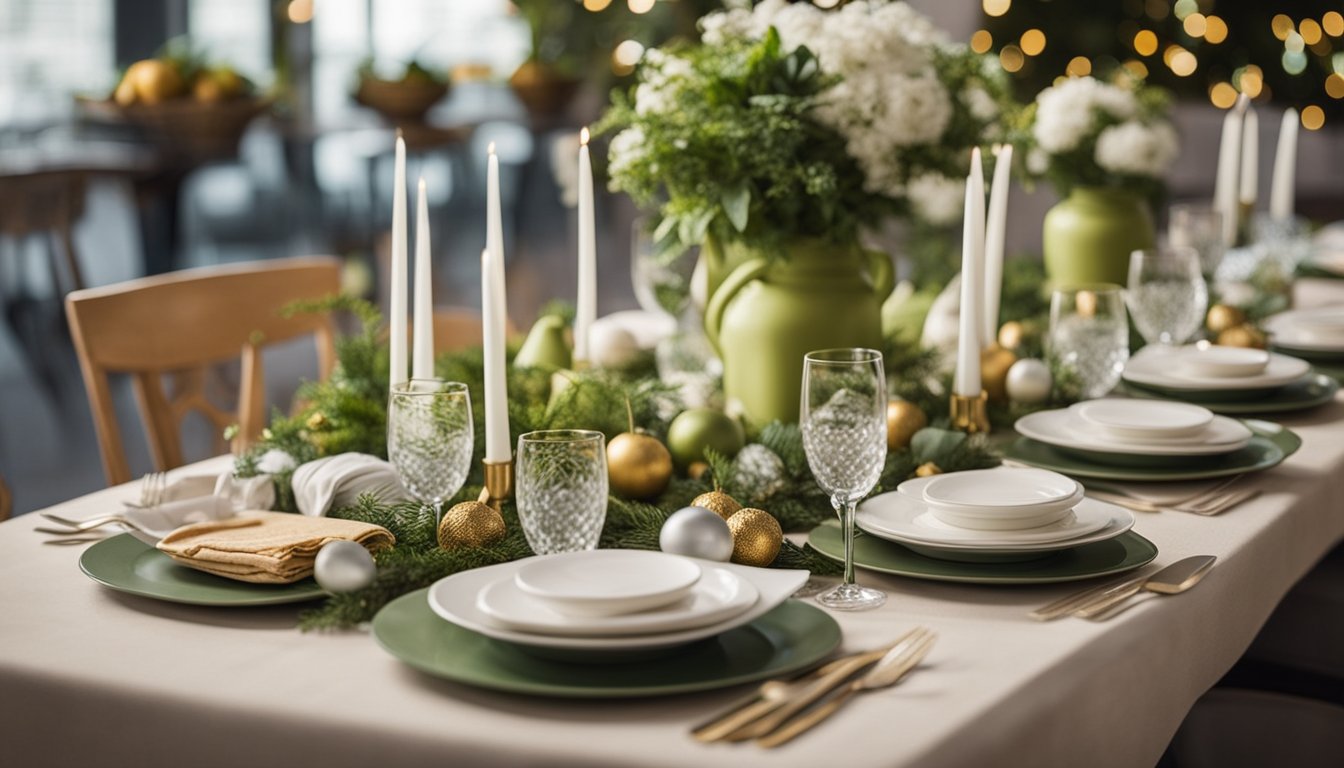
(561, 489)
(1198, 226)
(1089, 338)
(430, 438)
(843, 414)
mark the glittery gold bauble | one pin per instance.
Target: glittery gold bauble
(1244, 335)
(1012, 334)
(1223, 317)
(470, 524)
(757, 537)
(904, 419)
(638, 466)
(927, 469)
(718, 502)
(696, 469)
(316, 421)
(994, 364)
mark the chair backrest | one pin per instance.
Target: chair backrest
(457, 328)
(181, 323)
(6, 501)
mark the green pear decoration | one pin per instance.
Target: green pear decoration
(545, 345)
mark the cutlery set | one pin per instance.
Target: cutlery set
(781, 710)
(1108, 600)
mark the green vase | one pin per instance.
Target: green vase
(770, 312)
(1089, 235)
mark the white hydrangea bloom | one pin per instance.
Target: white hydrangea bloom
(1037, 162)
(1137, 149)
(661, 76)
(1065, 113)
(936, 198)
(626, 149)
(981, 105)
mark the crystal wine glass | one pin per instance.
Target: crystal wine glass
(562, 489)
(1167, 294)
(843, 415)
(430, 438)
(1089, 337)
(1198, 226)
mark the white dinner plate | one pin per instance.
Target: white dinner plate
(1158, 366)
(718, 595)
(1223, 362)
(607, 582)
(897, 517)
(1060, 428)
(453, 598)
(1161, 419)
(1287, 330)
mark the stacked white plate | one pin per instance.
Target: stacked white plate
(1204, 368)
(609, 599)
(1006, 512)
(1309, 330)
(1136, 428)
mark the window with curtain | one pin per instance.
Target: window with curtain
(50, 50)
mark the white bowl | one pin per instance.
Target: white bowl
(977, 522)
(1225, 362)
(608, 582)
(1000, 499)
(1143, 419)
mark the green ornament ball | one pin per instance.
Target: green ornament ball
(697, 429)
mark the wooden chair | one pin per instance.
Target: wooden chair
(6, 501)
(457, 328)
(180, 323)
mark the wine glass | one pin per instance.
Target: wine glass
(1089, 338)
(1167, 294)
(843, 415)
(430, 438)
(562, 489)
(1198, 226)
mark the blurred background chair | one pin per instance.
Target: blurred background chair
(457, 328)
(6, 503)
(178, 325)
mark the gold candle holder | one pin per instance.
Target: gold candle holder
(498, 482)
(968, 413)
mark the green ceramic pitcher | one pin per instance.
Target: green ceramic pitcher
(1089, 235)
(769, 313)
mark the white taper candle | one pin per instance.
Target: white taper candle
(1229, 162)
(422, 357)
(1281, 190)
(995, 231)
(1250, 159)
(497, 446)
(966, 381)
(396, 305)
(586, 310)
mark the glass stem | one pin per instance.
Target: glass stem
(846, 509)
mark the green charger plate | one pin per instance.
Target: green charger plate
(1270, 444)
(1313, 390)
(1123, 553)
(126, 564)
(791, 637)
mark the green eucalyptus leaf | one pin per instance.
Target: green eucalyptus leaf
(737, 205)
(930, 443)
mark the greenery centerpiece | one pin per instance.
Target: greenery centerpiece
(772, 145)
(1105, 146)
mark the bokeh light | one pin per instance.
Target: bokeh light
(1310, 31)
(981, 41)
(1011, 58)
(1183, 63)
(1195, 25)
(1032, 42)
(1313, 117)
(1215, 29)
(1223, 95)
(1078, 66)
(1333, 23)
(1334, 85)
(1145, 43)
(640, 6)
(996, 7)
(1282, 25)
(596, 5)
(626, 56)
(1136, 68)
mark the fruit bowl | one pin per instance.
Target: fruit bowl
(185, 126)
(400, 100)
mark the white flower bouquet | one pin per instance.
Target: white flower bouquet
(1085, 132)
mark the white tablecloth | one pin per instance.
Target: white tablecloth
(91, 677)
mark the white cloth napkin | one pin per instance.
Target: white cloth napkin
(337, 481)
(156, 522)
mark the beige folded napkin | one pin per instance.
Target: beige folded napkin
(265, 547)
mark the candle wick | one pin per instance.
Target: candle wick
(583, 136)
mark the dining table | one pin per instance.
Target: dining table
(90, 676)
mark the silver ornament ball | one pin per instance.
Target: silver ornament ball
(697, 532)
(343, 566)
(759, 473)
(1029, 382)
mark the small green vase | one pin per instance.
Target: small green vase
(770, 312)
(1089, 235)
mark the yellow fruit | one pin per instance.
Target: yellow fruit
(124, 95)
(230, 82)
(207, 91)
(155, 81)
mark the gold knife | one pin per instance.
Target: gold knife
(1175, 578)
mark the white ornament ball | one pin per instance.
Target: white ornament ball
(343, 566)
(1029, 382)
(697, 532)
(611, 346)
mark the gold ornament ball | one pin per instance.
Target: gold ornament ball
(316, 421)
(718, 502)
(904, 419)
(757, 537)
(1244, 335)
(638, 466)
(1223, 317)
(470, 524)
(1012, 334)
(927, 469)
(697, 469)
(994, 364)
